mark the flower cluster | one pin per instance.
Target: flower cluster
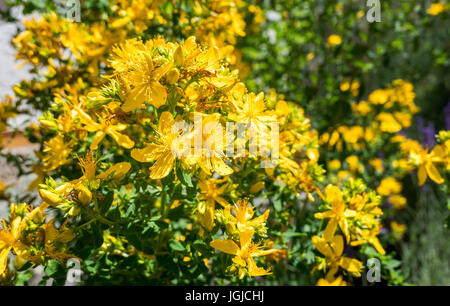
(31, 238)
(356, 212)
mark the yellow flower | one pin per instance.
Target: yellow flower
(338, 281)
(403, 118)
(353, 164)
(161, 150)
(369, 236)
(88, 164)
(334, 40)
(344, 174)
(379, 96)
(243, 214)
(147, 87)
(377, 163)
(11, 236)
(334, 164)
(353, 86)
(107, 126)
(362, 108)
(298, 177)
(436, 9)
(426, 163)
(134, 64)
(54, 237)
(10, 239)
(210, 193)
(243, 254)
(338, 214)
(388, 123)
(398, 228)
(211, 156)
(398, 201)
(253, 113)
(352, 134)
(389, 186)
(360, 14)
(57, 152)
(332, 249)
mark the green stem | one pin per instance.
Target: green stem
(163, 201)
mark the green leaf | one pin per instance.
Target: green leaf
(184, 177)
(105, 204)
(97, 235)
(176, 246)
(52, 268)
(202, 247)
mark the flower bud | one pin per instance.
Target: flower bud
(50, 197)
(172, 76)
(179, 56)
(74, 211)
(84, 195)
(257, 187)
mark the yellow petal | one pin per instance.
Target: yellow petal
(350, 264)
(376, 243)
(322, 215)
(17, 226)
(208, 216)
(439, 151)
(4, 259)
(261, 219)
(161, 71)
(117, 170)
(322, 246)
(135, 99)
(338, 245)
(254, 270)
(148, 154)
(166, 123)
(421, 175)
(158, 94)
(220, 167)
(433, 173)
(50, 197)
(122, 140)
(239, 261)
(333, 194)
(344, 227)
(163, 166)
(222, 201)
(97, 139)
(227, 246)
(245, 236)
(330, 229)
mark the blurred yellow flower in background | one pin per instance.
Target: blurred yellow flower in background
(436, 9)
(334, 40)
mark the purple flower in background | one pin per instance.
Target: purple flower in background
(383, 231)
(402, 132)
(428, 132)
(380, 154)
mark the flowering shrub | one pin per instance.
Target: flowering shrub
(157, 165)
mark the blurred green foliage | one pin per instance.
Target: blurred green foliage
(290, 54)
